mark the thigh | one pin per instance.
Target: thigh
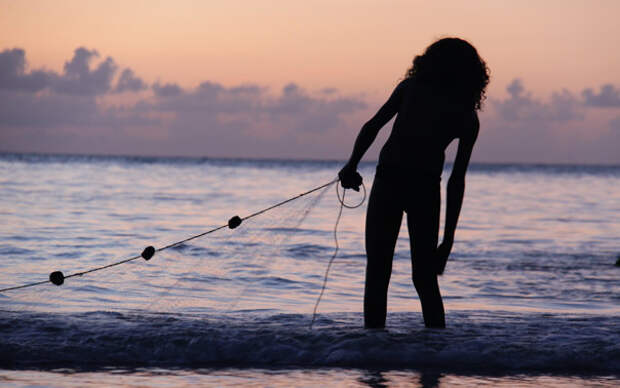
(423, 211)
(383, 219)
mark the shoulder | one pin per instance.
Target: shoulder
(403, 86)
(402, 91)
(407, 84)
(404, 83)
(398, 95)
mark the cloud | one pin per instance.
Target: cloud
(608, 97)
(615, 124)
(329, 91)
(80, 110)
(39, 99)
(128, 82)
(521, 106)
(560, 129)
(249, 103)
(79, 79)
(14, 77)
(27, 110)
(248, 120)
(167, 90)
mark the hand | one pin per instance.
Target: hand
(443, 252)
(350, 178)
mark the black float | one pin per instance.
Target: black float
(234, 222)
(57, 278)
(148, 252)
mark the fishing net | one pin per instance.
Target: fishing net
(226, 268)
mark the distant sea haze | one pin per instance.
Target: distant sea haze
(76, 157)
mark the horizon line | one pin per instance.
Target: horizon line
(280, 159)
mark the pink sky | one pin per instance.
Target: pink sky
(310, 74)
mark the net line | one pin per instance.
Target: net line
(150, 251)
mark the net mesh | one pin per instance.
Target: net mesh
(228, 270)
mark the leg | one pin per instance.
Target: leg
(423, 222)
(383, 220)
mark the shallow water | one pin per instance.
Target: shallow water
(333, 377)
(475, 341)
(531, 288)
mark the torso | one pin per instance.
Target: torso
(424, 127)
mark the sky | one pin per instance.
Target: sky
(293, 79)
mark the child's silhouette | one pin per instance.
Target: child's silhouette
(435, 104)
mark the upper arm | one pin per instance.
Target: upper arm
(389, 109)
(463, 154)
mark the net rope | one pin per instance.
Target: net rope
(231, 224)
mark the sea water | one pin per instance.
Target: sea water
(531, 290)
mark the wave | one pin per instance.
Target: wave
(474, 341)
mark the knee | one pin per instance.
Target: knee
(378, 268)
(424, 279)
(423, 271)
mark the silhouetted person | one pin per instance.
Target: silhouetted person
(435, 104)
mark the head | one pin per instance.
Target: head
(452, 67)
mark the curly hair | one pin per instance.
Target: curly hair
(453, 67)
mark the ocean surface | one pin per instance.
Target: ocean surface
(531, 290)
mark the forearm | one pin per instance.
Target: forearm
(367, 135)
(456, 191)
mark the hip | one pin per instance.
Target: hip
(407, 189)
